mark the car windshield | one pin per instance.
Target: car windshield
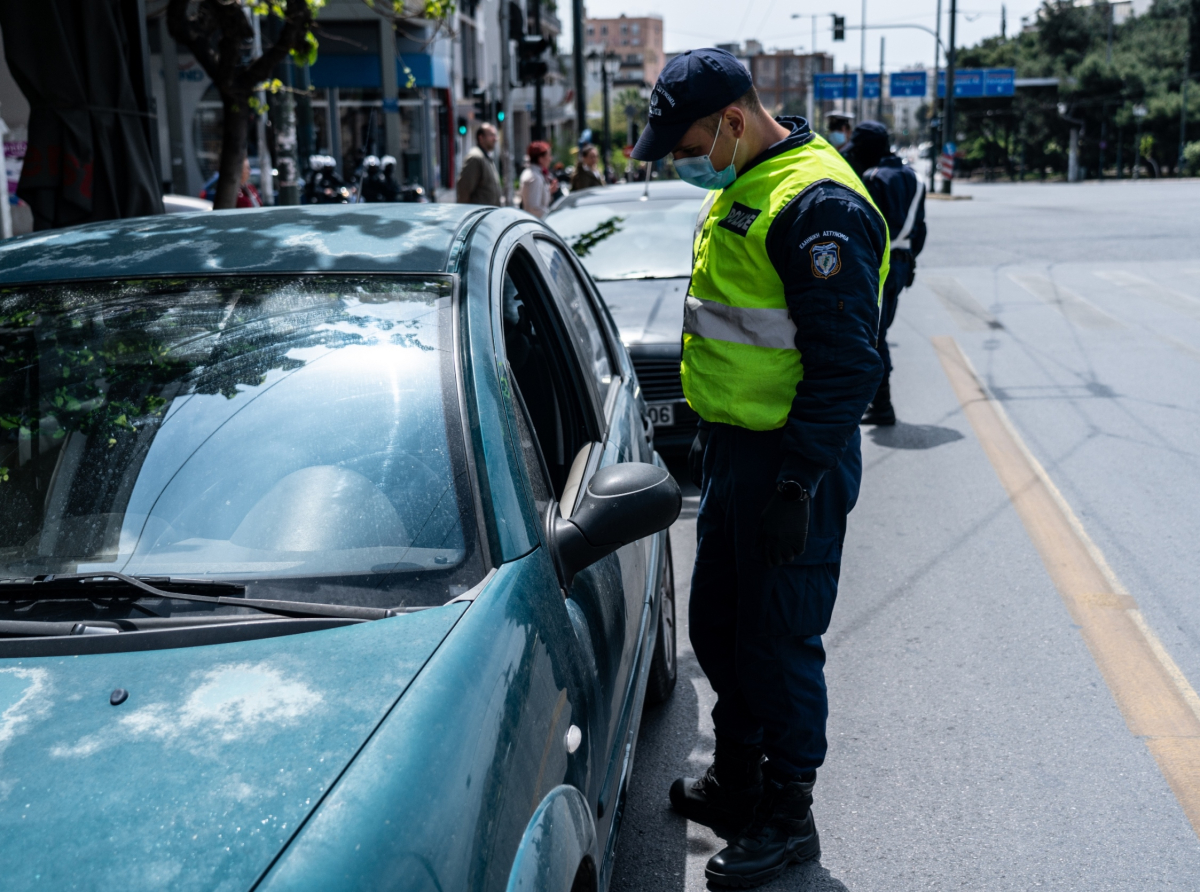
(301, 436)
(631, 239)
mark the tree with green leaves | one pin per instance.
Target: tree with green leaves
(1099, 87)
(220, 35)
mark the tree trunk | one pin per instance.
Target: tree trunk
(233, 151)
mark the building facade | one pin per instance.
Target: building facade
(638, 42)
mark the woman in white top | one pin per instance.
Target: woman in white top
(537, 184)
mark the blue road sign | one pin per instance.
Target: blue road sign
(909, 83)
(975, 82)
(835, 86)
(999, 82)
(871, 86)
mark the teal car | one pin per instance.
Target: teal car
(333, 555)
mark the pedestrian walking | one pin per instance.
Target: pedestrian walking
(478, 182)
(779, 361)
(900, 197)
(585, 175)
(538, 185)
(247, 196)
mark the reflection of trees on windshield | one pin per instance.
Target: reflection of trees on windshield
(583, 243)
(88, 374)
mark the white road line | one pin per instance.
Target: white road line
(1074, 308)
(968, 313)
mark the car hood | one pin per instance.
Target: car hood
(647, 311)
(204, 773)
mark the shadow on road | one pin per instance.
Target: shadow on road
(913, 436)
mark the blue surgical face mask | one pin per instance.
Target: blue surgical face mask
(699, 171)
(837, 138)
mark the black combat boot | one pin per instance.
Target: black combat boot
(880, 411)
(725, 797)
(783, 832)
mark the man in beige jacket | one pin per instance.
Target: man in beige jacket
(478, 183)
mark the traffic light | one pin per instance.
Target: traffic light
(462, 126)
(839, 27)
(531, 67)
(500, 115)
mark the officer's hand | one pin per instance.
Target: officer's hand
(696, 457)
(783, 530)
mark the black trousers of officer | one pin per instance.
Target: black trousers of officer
(757, 630)
(897, 281)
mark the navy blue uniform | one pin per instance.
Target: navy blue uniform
(757, 630)
(893, 185)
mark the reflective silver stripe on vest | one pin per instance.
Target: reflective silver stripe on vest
(756, 326)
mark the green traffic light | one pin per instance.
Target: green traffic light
(462, 129)
(500, 116)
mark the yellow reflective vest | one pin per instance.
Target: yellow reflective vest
(740, 363)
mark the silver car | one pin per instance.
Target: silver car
(637, 244)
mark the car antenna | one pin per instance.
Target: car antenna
(646, 191)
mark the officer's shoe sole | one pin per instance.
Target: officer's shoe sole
(809, 849)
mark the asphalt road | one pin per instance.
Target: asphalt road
(975, 742)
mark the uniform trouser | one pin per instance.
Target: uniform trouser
(757, 630)
(895, 283)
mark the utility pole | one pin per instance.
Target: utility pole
(1187, 67)
(539, 117)
(935, 135)
(948, 127)
(1139, 112)
(607, 115)
(862, 63)
(1108, 58)
(879, 105)
(577, 56)
(506, 156)
(266, 179)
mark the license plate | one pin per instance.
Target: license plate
(662, 414)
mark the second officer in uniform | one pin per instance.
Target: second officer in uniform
(779, 361)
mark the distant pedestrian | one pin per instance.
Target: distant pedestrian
(479, 183)
(900, 197)
(839, 124)
(248, 196)
(537, 183)
(586, 175)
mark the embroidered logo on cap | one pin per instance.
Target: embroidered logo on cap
(826, 259)
(739, 219)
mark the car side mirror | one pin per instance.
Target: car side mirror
(622, 503)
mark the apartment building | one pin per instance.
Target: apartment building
(637, 41)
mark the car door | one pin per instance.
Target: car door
(561, 423)
(624, 440)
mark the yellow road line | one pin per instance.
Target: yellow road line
(1158, 703)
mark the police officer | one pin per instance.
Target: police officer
(900, 196)
(779, 360)
(840, 126)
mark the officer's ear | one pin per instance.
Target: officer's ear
(735, 121)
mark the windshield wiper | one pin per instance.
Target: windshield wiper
(67, 585)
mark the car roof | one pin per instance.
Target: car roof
(380, 238)
(660, 190)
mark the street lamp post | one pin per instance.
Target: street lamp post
(948, 127)
(604, 60)
(1187, 67)
(1139, 112)
(862, 65)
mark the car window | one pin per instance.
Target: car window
(631, 239)
(547, 377)
(302, 436)
(579, 315)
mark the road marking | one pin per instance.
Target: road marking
(1158, 703)
(1148, 290)
(968, 313)
(1082, 312)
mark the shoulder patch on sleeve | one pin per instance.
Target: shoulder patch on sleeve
(826, 259)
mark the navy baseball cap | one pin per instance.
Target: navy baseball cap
(694, 85)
